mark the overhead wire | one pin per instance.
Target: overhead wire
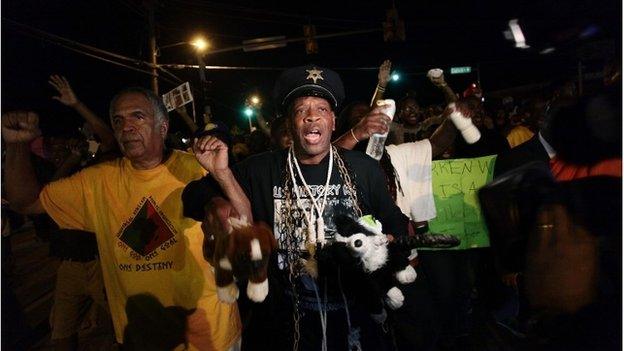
(71, 42)
(67, 44)
(134, 8)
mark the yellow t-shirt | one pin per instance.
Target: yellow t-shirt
(518, 135)
(146, 245)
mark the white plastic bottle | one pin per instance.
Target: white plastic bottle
(376, 142)
(470, 133)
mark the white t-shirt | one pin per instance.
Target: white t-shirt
(412, 162)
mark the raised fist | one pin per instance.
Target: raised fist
(436, 76)
(211, 153)
(20, 127)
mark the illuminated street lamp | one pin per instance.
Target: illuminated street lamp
(249, 112)
(253, 106)
(255, 100)
(200, 44)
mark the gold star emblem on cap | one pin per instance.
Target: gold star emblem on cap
(314, 74)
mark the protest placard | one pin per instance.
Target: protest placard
(455, 184)
(177, 97)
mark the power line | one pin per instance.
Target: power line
(84, 52)
(67, 44)
(136, 9)
(293, 40)
(252, 68)
(70, 42)
(164, 70)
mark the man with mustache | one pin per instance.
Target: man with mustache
(150, 253)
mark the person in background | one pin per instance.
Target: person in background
(407, 169)
(280, 138)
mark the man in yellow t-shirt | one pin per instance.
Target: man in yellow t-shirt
(161, 291)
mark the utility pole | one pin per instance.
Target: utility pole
(207, 115)
(151, 9)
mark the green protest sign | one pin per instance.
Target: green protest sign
(455, 184)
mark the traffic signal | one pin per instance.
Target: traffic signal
(393, 27)
(309, 32)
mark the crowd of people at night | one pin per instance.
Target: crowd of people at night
(130, 211)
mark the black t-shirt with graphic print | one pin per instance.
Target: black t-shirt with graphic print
(262, 178)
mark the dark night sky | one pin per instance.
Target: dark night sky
(439, 34)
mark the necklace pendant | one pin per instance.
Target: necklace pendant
(320, 230)
(311, 234)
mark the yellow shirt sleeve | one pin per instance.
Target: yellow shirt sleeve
(64, 201)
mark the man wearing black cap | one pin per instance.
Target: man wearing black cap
(299, 191)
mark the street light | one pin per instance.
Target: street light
(200, 44)
(255, 100)
(395, 77)
(249, 112)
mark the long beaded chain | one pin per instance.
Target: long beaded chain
(319, 235)
(291, 237)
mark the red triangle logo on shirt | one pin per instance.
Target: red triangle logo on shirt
(148, 229)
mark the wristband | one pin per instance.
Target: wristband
(380, 88)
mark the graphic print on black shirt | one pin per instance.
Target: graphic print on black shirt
(338, 201)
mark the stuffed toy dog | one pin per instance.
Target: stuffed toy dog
(241, 252)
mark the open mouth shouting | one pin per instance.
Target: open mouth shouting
(312, 135)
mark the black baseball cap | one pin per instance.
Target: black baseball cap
(308, 80)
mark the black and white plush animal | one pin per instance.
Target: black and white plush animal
(369, 266)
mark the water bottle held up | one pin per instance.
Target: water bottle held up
(376, 142)
(470, 133)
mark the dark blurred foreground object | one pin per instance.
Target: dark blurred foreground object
(588, 130)
(152, 326)
(436, 241)
(566, 238)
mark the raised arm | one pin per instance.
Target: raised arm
(262, 124)
(212, 154)
(68, 98)
(441, 84)
(443, 137)
(373, 122)
(383, 77)
(71, 161)
(21, 185)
